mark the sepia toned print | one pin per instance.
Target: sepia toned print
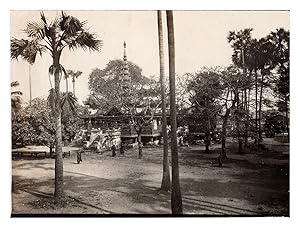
(162, 113)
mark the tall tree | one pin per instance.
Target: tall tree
(205, 90)
(261, 63)
(232, 82)
(176, 199)
(241, 42)
(165, 184)
(53, 37)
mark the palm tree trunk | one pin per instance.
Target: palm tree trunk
(246, 119)
(260, 107)
(240, 140)
(166, 183)
(30, 89)
(176, 200)
(59, 179)
(256, 103)
(73, 81)
(67, 88)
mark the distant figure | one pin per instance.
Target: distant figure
(180, 139)
(122, 148)
(220, 160)
(113, 150)
(79, 157)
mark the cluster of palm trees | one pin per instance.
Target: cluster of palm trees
(66, 31)
(260, 60)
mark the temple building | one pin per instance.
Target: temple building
(119, 121)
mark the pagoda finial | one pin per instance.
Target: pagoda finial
(125, 57)
(126, 77)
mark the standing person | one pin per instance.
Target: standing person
(79, 157)
(113, 150)
(122, 148)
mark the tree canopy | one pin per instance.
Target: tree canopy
(106, 85)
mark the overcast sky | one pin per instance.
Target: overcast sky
(200, 39)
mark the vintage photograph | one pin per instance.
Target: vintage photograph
(150, 113)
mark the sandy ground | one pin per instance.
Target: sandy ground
(247, 185)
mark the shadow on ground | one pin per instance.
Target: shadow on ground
(240, 188)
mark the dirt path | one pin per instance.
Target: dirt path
(124, 184)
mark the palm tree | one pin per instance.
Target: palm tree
(64, 31)
(176, 200)
(74, 75)
(165, 184)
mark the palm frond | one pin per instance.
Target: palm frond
(78, 73)
(85, 40)
(43, 18)
(68, 103)
(14, 84)
(70, 24)
(17, 47)
(25, 49)
(36, 30)
(60, 70)
(74, 74)
(18, 93)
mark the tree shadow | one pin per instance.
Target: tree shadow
(135, 194)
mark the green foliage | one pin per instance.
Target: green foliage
(35, 124)
(280, 42)
(274, 123)
(107, 86)
(240, 41)
(205, 88)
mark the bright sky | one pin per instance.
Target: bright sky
(200, 38)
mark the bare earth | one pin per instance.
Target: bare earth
(247, 185)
